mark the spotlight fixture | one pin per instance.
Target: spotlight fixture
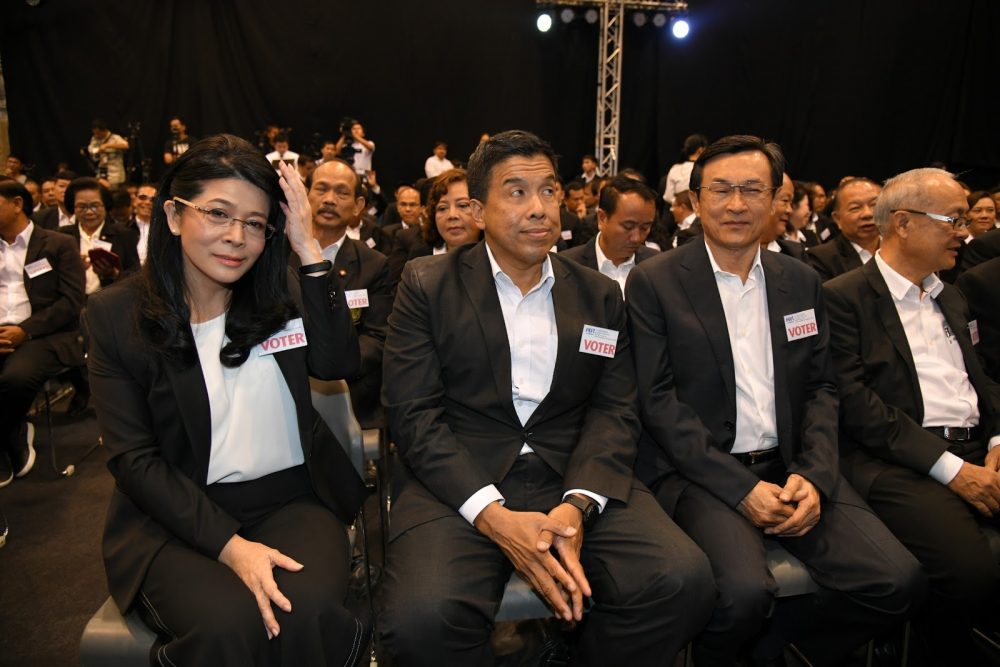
(544, 22)
(591, 15)
(659, 20)
(567, 15)
(639, 19)
(680, 28)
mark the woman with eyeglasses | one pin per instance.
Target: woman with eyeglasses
(226, 528)
(90, 203)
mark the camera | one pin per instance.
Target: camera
(348, 152)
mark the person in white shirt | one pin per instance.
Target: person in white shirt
(361, 146)
(589, 166)
(282, 154)
(438, 162)
(107, 151)
(144, 198)
(680, 174)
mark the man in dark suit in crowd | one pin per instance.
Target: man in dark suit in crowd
(981, 249)
(510, 393)
(41, 293)
(917, 411)
(688, 224)
(409, 209)
(337, 201)
(572, 212)
(772, 236)
(853, 211)
(820, 224)
(739, 407)
(981, 287)
(625, 215)
(57, 217)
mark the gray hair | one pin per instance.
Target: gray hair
(905, 190)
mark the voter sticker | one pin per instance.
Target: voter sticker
(801, 325)
(38, 267)
(101, 245)
(289, 338)
(825, 234)
(601, 342)
(357, 298)
(370, 243)
(974, 331)
(567, 234)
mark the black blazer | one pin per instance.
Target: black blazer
(447, 387)
(124, 243)
(881, 405)
(154, 418)
(981, 287)
(793, 249)
(684, 236)
(833, 258)
(687, 382)
(47, 218)
(568, 222)
(409, 243)
(56, 296)
(587, 255)
(980, 249)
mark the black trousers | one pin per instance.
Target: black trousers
(22, 374)
(207, 616)
(652, 587)
(868, 581)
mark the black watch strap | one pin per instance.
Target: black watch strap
(323, 266)
(587, 506)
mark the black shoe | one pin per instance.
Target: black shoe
(23, 457)
(78, 404)
(6, 470)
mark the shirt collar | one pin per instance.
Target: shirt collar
(754, 268)
(899, 286)
(774, 246)
(330, 252)
(548, 277)
(602, 258)
(21, 240)
(95, 235)
(687, 221)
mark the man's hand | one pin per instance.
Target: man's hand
(763, 506)
(978, 486)
(799, 493)
(993, 459)
(568, 549)
(518, 534)
(11, 337)
(252, 562)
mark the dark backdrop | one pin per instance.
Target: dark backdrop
(846, 86)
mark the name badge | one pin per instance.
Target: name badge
(289, 338)
(801, 325)
(370, 242)
(101, 245)
(974, 331)
(824, 235)
(38, 267)
(357, 298)
(601, 342)
(567, 234)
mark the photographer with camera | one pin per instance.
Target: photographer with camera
(353, 147)
(179, 141)
(106, 151)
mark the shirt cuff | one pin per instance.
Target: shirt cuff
(946, 468)
(471, 508)
(994, 441)
(596, 497)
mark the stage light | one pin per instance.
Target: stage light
(680, 28)
(544, 22)
(567, 15)
(660, 20)
(639, 19)
(590, 15)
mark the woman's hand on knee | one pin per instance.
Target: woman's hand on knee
(252, 562)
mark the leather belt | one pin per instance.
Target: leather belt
(955, 433)
(760, 456)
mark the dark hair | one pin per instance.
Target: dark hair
(281, 137)
(64, 175)
(693, 143)
(498, 148)
(844, 182)
(619, 185)
(684, 199)
(98, 124)
(977, 195)
(575, 184)
(589, 157)
(740, 143)
(11, 188)
(801, 192)
(359, 190)
(86, 183)
(121, 198)
(439, 188)
(260, 304)
(443, 144)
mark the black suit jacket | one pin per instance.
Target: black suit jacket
(124, 243)
(687, 382)
(387, 242)
(793, 249)
(981, 287)
(833, 258)
(155, 421)
(447, 387)
(47, 218)
(882, 408)
(409, 243)
(568, 222)
(981, 249)
(56, 296)
(587, 254)
(684, 236)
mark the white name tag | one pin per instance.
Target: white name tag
(101, 245)
(974, 331)
(596, 340)
(801, 325)
(289, 338)
(38, 267)
(370, 243)
(357, 298)
(825, 234)
(567, 234)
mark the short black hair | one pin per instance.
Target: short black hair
(11, 188)
(499, 148)
(575, 184)
(693, 143)
(64, 175)
(282, 137)
(98, 124)
(359, 189)
(740, 143)
(619, 185)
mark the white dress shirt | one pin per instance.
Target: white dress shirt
(15, 307)
(353, 232)
(330, 252)
(530, 320)
(774, 247)
(678, 180)
(948, 396)
(434, 166)
(143, 246)
(864, 255)
(617, 273)
(745, 306)
(684, 224)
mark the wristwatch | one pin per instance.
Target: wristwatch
(587, 506)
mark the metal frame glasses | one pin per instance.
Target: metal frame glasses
(956, 223)
(216, 217)
(722, 190)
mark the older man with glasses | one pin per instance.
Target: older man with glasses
(920, 419)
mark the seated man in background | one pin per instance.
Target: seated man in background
(56, 216)
(854, 213)
(41, 294)
(409, 210)
(920, 420)
(510, 394)
(980, 287)
(772, 236)
(739, 406)
(688, 224)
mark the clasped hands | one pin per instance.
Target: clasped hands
(980, 485)
(788, 511)
(527, 538)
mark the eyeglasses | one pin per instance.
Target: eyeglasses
(93, 207)
(720, 190)
(145, 197)
(956, 223)
(216, 217)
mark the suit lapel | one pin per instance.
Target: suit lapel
(35, 246)
(889, 317)
(346, 264)
(777, 297)
(590, 255)
(188, 384)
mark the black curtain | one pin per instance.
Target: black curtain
(846, 86)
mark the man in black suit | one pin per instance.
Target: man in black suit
(981, 249)
(918, 414)
(625, 215)
(41, 293)
(739, 406)
(688, 224)
(57, 217)
(409, 209)
(772, 236)
(853, 211)
(980, 287)
(337, 201)
(511, 397)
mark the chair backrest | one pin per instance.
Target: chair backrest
(332, 400)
